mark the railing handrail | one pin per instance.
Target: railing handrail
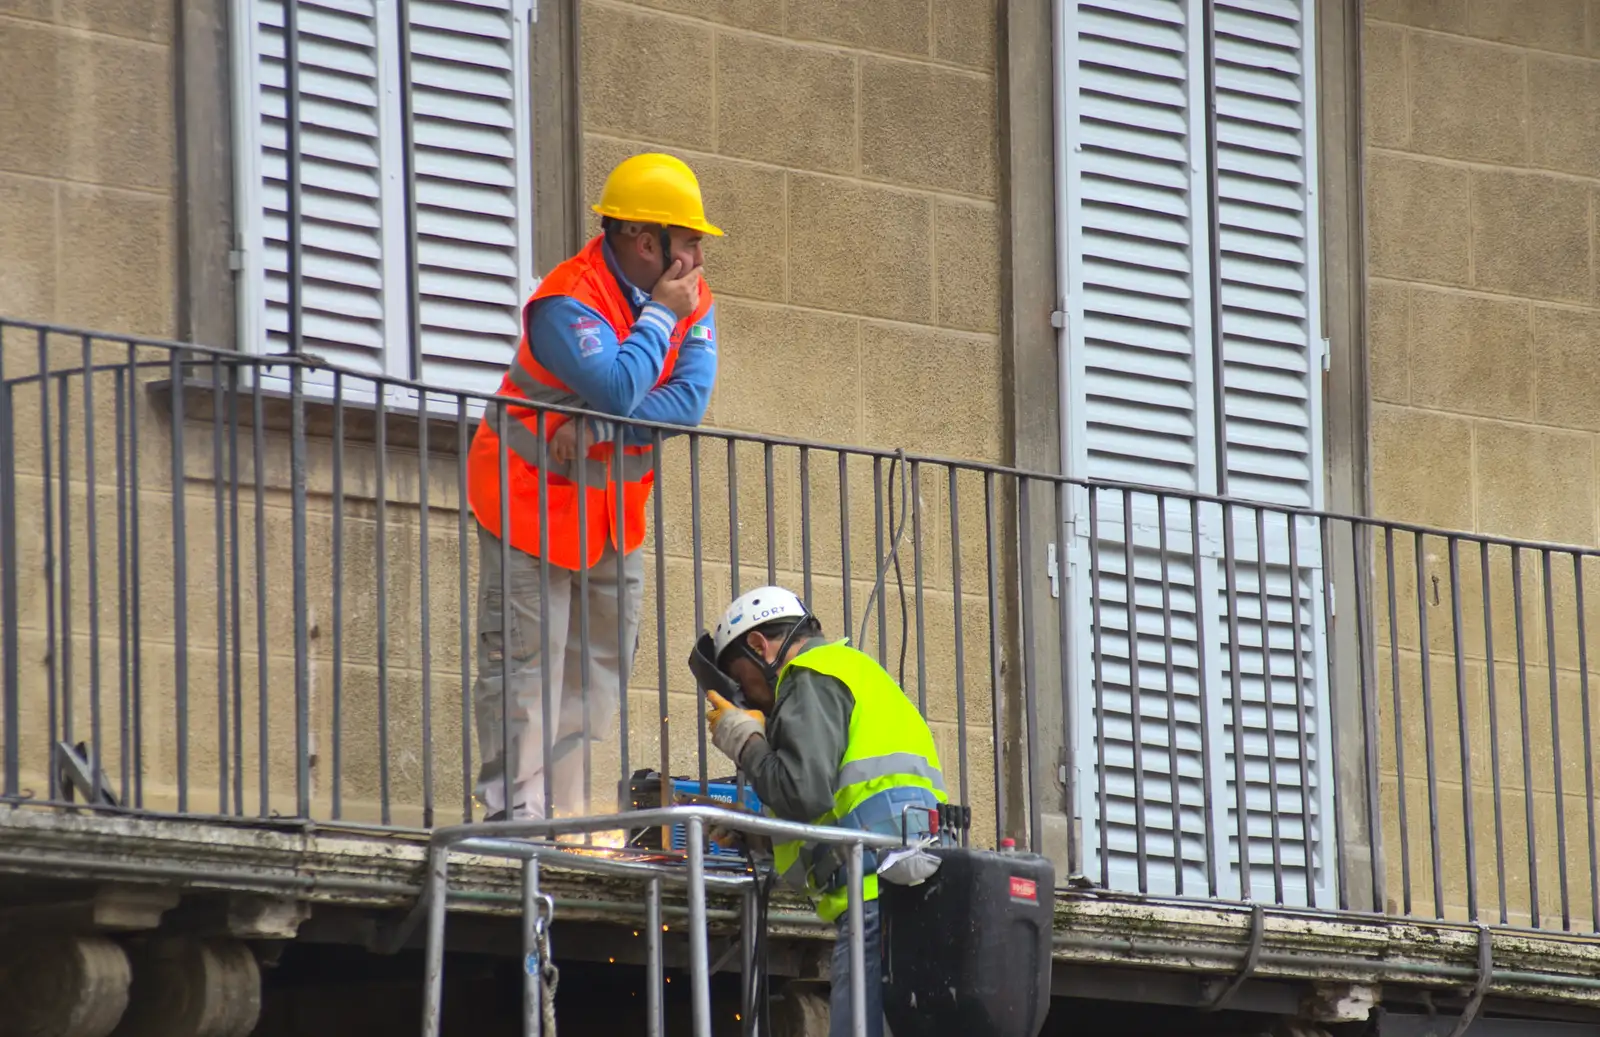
(311, 362)
(662, 817)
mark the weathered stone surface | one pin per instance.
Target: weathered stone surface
(928, 126)
(1418, 219)
(1530, 236)
(1388, 341)
(28, 241)
(184, 987)
(892, 26)
(966, 253)
(1422, 467)
(1566, 343)
(787, 104)
(1447, 15)
(646, 76)
(1471, 355)
(1546, 24)
(1383, 84)
(762, 15)
(1535, 483)
(1565, 126)
(964, 31)
(1468, 100)
(858, 248)
(66, 987)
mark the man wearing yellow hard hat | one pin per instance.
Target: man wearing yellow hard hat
(626, 327)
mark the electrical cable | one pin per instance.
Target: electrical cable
(758, 983)
(893, 559)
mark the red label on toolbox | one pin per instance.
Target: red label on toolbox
(1024, 889)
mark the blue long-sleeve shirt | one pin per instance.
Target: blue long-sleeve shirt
(573, 342)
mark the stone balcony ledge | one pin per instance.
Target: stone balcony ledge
(345, 871)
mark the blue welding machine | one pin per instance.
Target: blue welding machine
(644, 793)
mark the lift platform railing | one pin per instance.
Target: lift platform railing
(510, 839)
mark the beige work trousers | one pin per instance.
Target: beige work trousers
(513, 628)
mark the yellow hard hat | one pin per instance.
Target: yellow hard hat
(655, 188)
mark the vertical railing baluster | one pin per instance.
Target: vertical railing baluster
(996, 688)
(1555, 735)
(1097, 653)
(1494, 730)
(52, 638)
(1463, 731)
(336, 777)
(424, 604)
(380, 548)
(1527, 735)
(1588, 739)
(1130, 605)
(180, 587)
(1399, 725)
(65, 647)
(1030, 675)
(1201, 604)
(10, 641)
(135, 650)
(464, 651)
(695, 537)
(219, 531)
(1430, 755)
(92, 539)
(878, 558)
(960, 637)
(1174, 778)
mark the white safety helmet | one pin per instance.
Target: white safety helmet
(754, 609)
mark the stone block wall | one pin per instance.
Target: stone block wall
(850, 153)
(1482, 180)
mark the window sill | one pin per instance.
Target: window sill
(448, 435)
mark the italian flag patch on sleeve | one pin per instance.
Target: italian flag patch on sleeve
(701, 332)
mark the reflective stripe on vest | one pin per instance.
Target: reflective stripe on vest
(890, 756)
(614, 490)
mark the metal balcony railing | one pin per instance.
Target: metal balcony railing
(245, 586)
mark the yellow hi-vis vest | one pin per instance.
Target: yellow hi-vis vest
(890, 748)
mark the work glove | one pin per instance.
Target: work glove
(732, 728)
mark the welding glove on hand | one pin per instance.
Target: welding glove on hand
(732, 728)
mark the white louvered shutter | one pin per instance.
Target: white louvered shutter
(1141, 392)
(1266, 126)
(1140, 407)
(474, 184)
(469, 70)
(342, 176)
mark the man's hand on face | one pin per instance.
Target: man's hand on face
(564, 444)
(678, 290)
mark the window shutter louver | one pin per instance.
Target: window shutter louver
(343, 195)
(468, 65)
(1141, 407)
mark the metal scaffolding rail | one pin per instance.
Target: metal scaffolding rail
(510, 839)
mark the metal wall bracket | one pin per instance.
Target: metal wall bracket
(78, 773)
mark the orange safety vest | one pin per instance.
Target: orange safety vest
(587, 278)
